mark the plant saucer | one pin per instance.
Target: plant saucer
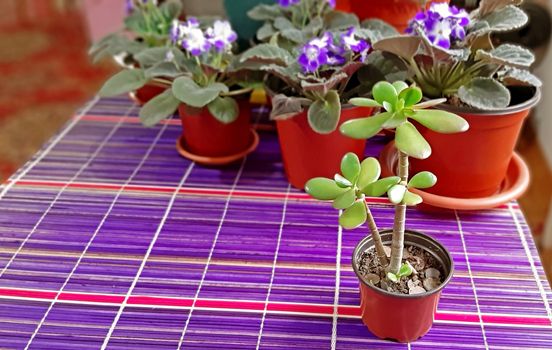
(180, 147)
(513, 186)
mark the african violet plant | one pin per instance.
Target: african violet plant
(401, 103)
(198, 65)
(291, 22)
(451, 54)
(146, 25)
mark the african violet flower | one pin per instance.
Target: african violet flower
(326, 51)
(196, 41)
(221, 35)
(441, 24)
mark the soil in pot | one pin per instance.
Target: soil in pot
(428, 273)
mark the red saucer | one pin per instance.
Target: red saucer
(514, 185)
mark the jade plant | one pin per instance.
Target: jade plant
(452, 54)
(400, 105)
(199, 67)
(147, 25)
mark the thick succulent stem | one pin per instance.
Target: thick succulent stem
(397, 243)
(376, 237)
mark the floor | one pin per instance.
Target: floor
(47, 76)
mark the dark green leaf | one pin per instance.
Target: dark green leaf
(485, 94)
(409, 140)
(323, 189)
(187, 91)
(354, 216)
(158, 108)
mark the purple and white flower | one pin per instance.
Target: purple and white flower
(441, 24)
(312, 57)
(349, 42)
(221, 35)
(195, 42)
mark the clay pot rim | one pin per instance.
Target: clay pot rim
(530, 103)
(406, 296)
(218, 160)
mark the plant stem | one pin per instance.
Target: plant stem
(397, 243)
(376, 237)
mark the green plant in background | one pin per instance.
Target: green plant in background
(451, 54)
(147, 25)
(199, 67)
(400, 104)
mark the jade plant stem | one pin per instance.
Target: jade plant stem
(376, 237)
(397, 243)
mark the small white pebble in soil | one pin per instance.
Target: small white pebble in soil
(416, 290)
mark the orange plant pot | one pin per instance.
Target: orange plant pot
(395, 12)
(344, 5)
(307, 154)
(401, 317)
(205, 136)
(473, 164)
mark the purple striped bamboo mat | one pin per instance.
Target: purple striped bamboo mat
(110, 240)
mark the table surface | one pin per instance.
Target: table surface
(109, 239)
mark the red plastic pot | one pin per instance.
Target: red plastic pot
(307, 154)
(205, 136)
(144, 94)
(474, 164)
(398, 13)
(401, 317)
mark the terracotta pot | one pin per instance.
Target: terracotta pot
(144, 94)
(398, 13)
(473, 164)
(401, 317)
(307, 154)
(205, 136)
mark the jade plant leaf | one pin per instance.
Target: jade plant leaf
(406, 270)
(364, 128)
(424, 179)
(411, 96)
(342, 181)
(409, 140)
(323, 189)
(380, 187)
(187, 91)
(354, 216)
(370, 171)
(364, 102)
(392, 277)
(396, 193)
(125, 81)
(385, 92)
(350, 167)
(485, 94)
(412, 199)
(441, 121)
(158, 108)
(224, 109)
(323, 115)
(345, 200)
(400, 86)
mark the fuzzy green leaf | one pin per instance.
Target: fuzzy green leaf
(396, 193)
(350, 167)
(441, 121)
(385, 92)
(424, 179)
(224, 109)
(163, 69)
(354, 216)
(322, 188)
(264, 12)
(151, 56)
(370, 171)
(509, 55)
(412, 199)
(409, 140)
(506, 19)
(267, 53)
(515, 76)
(485, 94)
(342, 181)
(345, 200)
(323, 115)
(380, 187)
(364, 128)
(364, 102)
(187, 91)
(404, 46)
(158, 108)
(123, 82)
(377, 29)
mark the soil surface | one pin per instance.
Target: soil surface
(428, 273)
